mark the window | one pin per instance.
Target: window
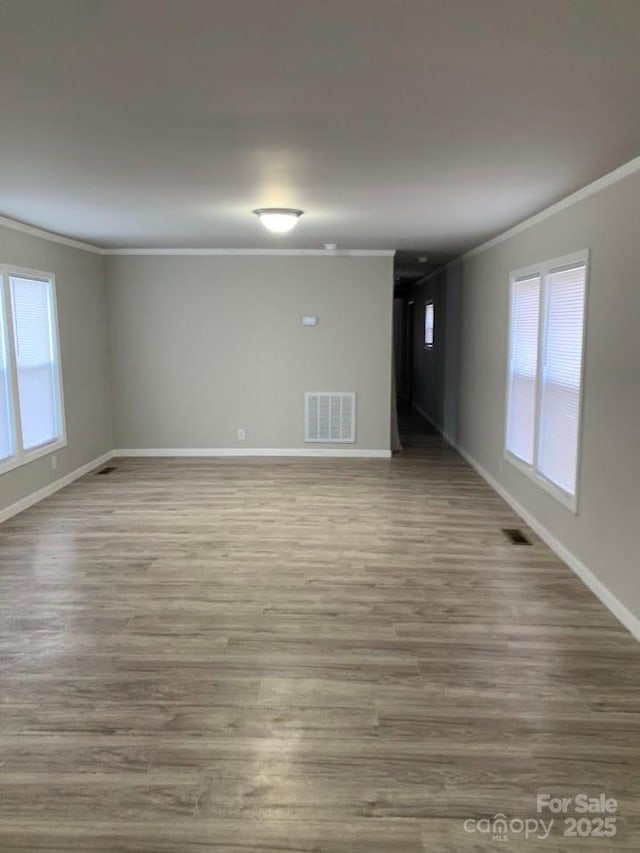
(544, 392)
(31, 405)
(428, 324)
(561, 384)
(6, 416)
(523, 375)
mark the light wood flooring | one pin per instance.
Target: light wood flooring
(328, 656)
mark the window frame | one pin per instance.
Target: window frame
(569, 261)
(433, 328)
(20, 456)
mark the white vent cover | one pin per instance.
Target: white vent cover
(330, 416)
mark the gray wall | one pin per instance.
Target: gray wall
(83, 346)
(605, 534)
(202, 345)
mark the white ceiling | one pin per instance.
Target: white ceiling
(415, 124)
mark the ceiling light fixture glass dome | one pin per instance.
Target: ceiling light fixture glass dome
(278, 219)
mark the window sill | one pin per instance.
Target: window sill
(570, 502)
(22, 458)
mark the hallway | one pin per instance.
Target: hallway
(300, 655)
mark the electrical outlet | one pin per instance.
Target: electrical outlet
(241, 434)
(54, 462)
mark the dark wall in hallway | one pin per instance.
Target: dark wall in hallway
(435, 368)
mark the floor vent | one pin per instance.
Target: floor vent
(106, 470)
(515, 536)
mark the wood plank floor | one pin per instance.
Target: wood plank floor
(300, 655)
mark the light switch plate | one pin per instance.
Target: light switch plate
(309, 321)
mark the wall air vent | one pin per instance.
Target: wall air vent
(330, 416)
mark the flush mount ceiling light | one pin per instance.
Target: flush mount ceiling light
(278, 219)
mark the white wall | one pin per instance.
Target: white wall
(83, 348)
(203, 345)
(605, 534)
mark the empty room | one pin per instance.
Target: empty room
(319, 422)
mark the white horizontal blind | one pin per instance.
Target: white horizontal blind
(330, 416)
(36, 361)
(428, 324)
(523, 367)
(562, 377)
(6, 426)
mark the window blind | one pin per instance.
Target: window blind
(31, 302)
(562, 377)
(523, 367)
(6, 432)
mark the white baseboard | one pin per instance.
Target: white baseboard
(610, 601)
(46, 491)
(337, 452)
(52, 488)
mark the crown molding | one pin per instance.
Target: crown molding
(319, 253)
(594, 187)
(52, 237)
